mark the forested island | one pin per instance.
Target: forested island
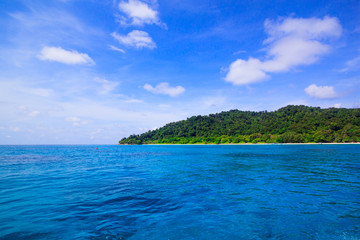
(290, 124)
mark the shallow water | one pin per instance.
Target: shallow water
(180, 192)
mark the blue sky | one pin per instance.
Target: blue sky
(92, 72)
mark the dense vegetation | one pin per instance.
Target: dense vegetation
(291, 124)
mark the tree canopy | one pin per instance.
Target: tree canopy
(290, 124)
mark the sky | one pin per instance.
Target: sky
(95, 71)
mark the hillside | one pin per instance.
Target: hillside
(291, 124)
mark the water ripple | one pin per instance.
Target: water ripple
(180, 192)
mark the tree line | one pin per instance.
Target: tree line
(290, 124)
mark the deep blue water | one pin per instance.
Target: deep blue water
(180, 192)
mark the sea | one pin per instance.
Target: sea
(180, 192)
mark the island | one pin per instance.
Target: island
(290, 124)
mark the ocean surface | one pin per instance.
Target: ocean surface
(180, 192)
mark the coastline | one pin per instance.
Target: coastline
(226, 144)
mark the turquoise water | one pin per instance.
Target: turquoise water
(180, 192)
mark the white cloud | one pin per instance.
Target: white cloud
(14, 129)
(291, 52)
(352, 65)
(304, 28)
(337, 105)
(76, 121)
(33, 113)
(164, 105)
(58, 54)
(72, 119)
(164, 88)
(245, 72)
(137, 39)
(50, 19)
(42, 92)
(138, 13)
(117, 117)
(28, 112)
(106, 86)
(116, 49)
(292, 42)
(213, 101)
(239, 52)
(134, 101)
(322, 92)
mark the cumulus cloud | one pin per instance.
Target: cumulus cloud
(291, 42)
(136, 39)
(58, 54)
(245, 72)
(322, 92)
(165, 88)
(138, 13)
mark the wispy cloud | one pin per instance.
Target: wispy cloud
(322, 92)
(134, 101)
(72, 119)
(239, 52)
(14, 129)
(136, 39)
(76, 121)
(292, 42)
(42, 24)
(352, 65)
(58, 54)
(64, 109)
(42, 92)
(165, 88)
(28, 112)
(34, 113)
(42, 17)
(106, 86)
(116, 49)
(138, 13)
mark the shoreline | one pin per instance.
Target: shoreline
(226, 144)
